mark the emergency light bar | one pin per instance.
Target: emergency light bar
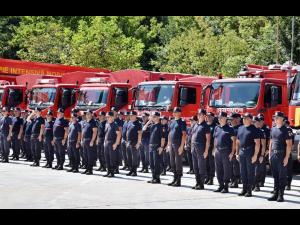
(95, 80)
(46, 81)
(274, 67)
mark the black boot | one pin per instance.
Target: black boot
(177, 182)
(280, 196)
(146, 170)
(249, 193)
(210, 181)
(225, 189)
(174, 180)
(134, 173)
(46, 166)
(206, 180)
(197, 186)
(274, 197)
(107, 174)
(142, 170)
(235, 183)
(220, 188)
(111, 174)
(103, 169)
(243, 192)
(130, 173)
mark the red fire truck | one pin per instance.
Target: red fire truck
(163, 96)
(116, 89)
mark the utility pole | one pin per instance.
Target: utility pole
(277, 41)
(293, 28)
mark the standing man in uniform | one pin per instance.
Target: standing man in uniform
(280, 150)
(235, 164)
(165, 154)
(24, 115)
(156, 145)
(134, 140)
(225, 143)
(36, 139)
(210, 160)
(188, 143)
(123, 142)
(248, 145)
(17, 131)
(48, 139)
(100, 141)
(27, 136)
(60, 134)
(89, 135)
(144, 151)
(74, 139)
(290, 163)
(111, 141)
(260, 157)
(5, 134)
(200, 145)
(176, 140)
(118, 151)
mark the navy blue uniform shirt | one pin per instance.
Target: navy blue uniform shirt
(17, 122)
(223, 135)
(132, 131)
(124, 129)
(176, 128)
(246, 136)
(59, 128)
(146, 133)
(279, 137)
(87, 129)
(36, 127)
(212, 130)
(5, 122)
(74, 130)
(28, 127)
(48, 133)
(199, 132)
(101, 129)
(165, 130)
(156, 134)
(111, 131)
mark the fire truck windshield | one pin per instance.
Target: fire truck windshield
(296, 86)
(92, 97)
(234, 94)
(42, 96)
(154, 95)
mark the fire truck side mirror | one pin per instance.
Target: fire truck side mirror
(274, 96)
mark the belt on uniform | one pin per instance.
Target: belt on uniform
(87, 139)
(223, 148)
(245, 148)
(278, 151)
(34, 135)
(153, 145)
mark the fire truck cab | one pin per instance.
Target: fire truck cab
(12, 95)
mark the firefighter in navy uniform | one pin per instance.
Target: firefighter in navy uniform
(165, 154)
(156, 145)
(48, 139)
(188, 144)
(24, 115)
(144, 151)
(123, 142)
(37, 136)
(235, 121)
(118, 151)
(279, 151)
(5, 134)
(247, 147)
(290, 163)
(100, 140)
(111, 142)
(210, 160)
(200, 145)
(17, 131)
(60, 134)
(260, 157)
(134, 140)
(176, 140)
(89, 135)
(225, 143)
(74, 139)
(27, 136)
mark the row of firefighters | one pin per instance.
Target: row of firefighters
(237, 148)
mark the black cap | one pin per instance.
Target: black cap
(177, 109)
(38, 109)
(50, 113)
(261, 116)
(211, 114)
(256, 119)
(133, 113)
(74, 115)
(5, 109)
(17, 109)
(89, 111)
(202, 111)
(164, 118)
(194, 118)
(25, 111)
(121, 113)
(102, 113)
(235, 115)
(110, 113)
(222, 114)
(248, 115)
(155, 114)
(279, 114)
(60, 110)
(75, 110)
(113, 109)
(146, 114)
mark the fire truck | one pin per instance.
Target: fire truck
(17, 77)
(116, 89)
(163, 96)
(257, 89)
